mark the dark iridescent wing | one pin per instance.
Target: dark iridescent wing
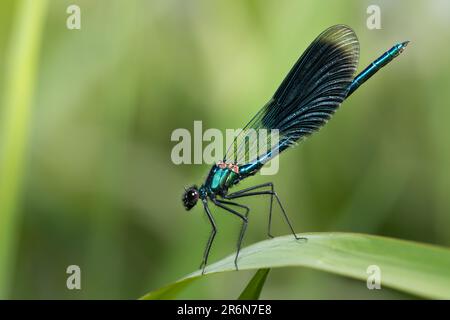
(306, 99)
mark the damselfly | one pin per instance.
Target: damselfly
(321, 79)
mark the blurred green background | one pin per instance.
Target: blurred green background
(86, 117)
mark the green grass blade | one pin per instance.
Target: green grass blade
(253, 289)
(20, 83)
(168, 292)
(415, 268)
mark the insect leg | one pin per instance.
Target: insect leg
(222, 204)
(239, 193)
(272, 193)
(211, 236)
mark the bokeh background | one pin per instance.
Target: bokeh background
(86, 117)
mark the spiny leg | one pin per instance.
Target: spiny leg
(243, 191)
(272, 193)
(221, 204)
(211, 237)
(244, 224)
(250, 194)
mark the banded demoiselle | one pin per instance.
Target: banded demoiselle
(321, 79)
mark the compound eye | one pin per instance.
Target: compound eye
(192, 195)
(190, 198)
